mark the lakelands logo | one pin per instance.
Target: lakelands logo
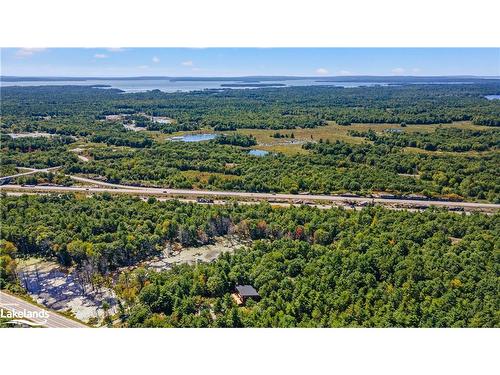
(23, 316)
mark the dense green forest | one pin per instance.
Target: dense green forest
(328, 168)
(236, 140)
(39, 152)
(275, 108)
(78, 113)
(312, 267)
(454, 140)
(54, 155)
(29, 144)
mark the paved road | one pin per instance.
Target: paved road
(29, 171)
(142, 191)
(53, 320)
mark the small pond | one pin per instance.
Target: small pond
(258, 152)
(194, 137)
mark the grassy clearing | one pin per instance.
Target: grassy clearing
(87, 147)
(200, 179)
(334, 132)
(449, 153)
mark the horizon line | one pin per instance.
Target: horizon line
(263, 76)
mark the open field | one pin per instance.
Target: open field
(202, 178)
(293, 146)
(471, 153)
(332, 132)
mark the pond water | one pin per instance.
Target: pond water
(194, 137)
(492, 97)
(258, 152)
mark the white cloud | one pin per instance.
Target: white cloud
(156, 60)
(416, 70)
(100, 56)
(321, 71)
(187, 63)
(28, 52)
(398, 70)
(115, 49)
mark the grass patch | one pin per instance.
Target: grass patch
(200, 180)
(332, 132)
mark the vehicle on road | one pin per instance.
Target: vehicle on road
(204, 200)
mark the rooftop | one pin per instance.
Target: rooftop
(246, 291)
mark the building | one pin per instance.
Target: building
(244, 292)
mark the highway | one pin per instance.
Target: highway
(43, 317)
(293, 198)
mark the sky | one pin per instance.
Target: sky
(203, 62)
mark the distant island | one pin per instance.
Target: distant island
(252, 85)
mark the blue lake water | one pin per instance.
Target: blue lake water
(492, 97)
(167, 85)
(194, 137)
(258, 152)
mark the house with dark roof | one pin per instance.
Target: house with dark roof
(244, 292)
